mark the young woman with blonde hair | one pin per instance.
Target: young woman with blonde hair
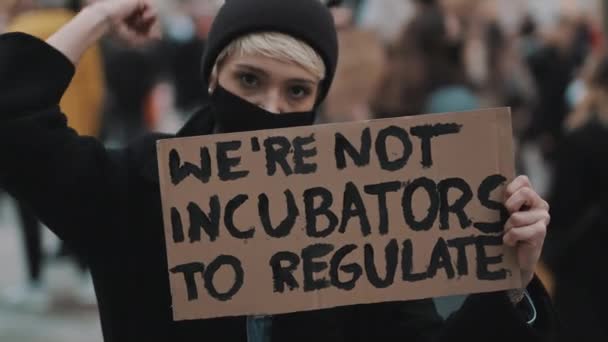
(268, 64)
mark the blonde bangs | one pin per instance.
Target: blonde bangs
(277, 46)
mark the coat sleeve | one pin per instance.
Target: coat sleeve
(482, 317)
(491, 316)
(65, 178)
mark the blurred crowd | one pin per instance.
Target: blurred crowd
(398, 57)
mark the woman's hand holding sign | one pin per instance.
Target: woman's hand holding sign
(527, 227)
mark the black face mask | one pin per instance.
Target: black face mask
(233, 114)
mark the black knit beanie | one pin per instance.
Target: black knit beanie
(307, 20)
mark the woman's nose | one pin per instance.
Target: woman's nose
(273, 102)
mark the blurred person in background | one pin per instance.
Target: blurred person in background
(385, 17)
(187, 27)
(553, 67)
(256, 80)
(81, 103)
(425, 72)
(589, 45)
(175, 92)
(579, 207)
(509, 82)
(131, 74)
(554, 58)
(529, 38)
(360, 66)
(496, 69)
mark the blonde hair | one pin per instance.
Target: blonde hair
(275, 45)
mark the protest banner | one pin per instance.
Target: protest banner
(306, 218)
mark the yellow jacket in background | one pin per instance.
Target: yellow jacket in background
(82, 102)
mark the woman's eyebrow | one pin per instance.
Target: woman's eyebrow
(263, 73)
(303, 81)
(252, 68)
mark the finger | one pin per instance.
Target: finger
(533, 235)
(146, 14)
(142, 5)
(516, 184)
(131, 20)
(147, 23)
(136, 13)
(143, 27)
(148, 17)
(526, 218)
(525, 197)
(144, 21)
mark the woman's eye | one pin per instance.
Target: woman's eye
(298, 92)
(249, 80)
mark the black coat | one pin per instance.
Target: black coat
(108, 205)
(575, 246)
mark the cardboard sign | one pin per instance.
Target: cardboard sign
(299, 219)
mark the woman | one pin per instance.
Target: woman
(268, 63)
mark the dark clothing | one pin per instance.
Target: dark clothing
(108, 204)
(181, 59)
(578, 231)
(580, 181)
(552, 71)
(130, 78)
